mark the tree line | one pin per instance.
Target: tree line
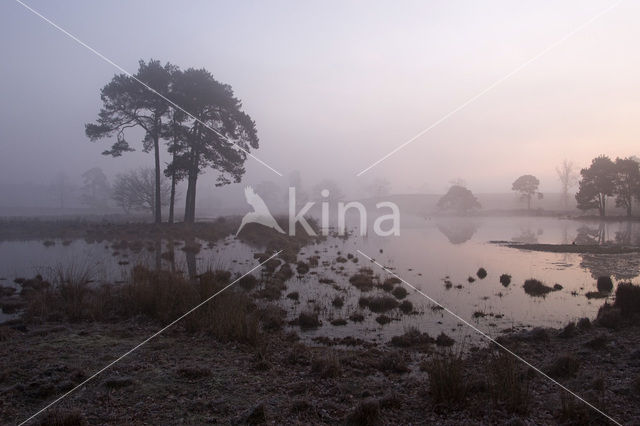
(607, 178)
(604, 178)
(206, 136)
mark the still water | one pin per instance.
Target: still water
(425, 254)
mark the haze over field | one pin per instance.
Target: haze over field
(334, 86)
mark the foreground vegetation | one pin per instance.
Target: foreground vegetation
(235, 361)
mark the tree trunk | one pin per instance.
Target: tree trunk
(173, 196)
(190, 203)
(192, 178)
(529, 202)
(157, 202)
(629, 210)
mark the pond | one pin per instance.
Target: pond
(428, 254)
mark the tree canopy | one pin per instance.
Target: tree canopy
(596, 184)
(626, 183)
(458, 199)
(215, 133)
(527, 186)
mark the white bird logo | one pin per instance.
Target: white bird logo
(260, 213)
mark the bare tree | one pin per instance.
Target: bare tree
(135, 191)
(568, 179)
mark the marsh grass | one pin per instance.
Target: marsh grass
(161, 296)
(508, 383)
(446, 371)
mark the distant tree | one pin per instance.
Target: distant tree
(596, 184)
(627, 182)
(527, 186)
(335, 193)
(379, 187)
(135, 191)
(199, 147)
(458, 199)
(127, 104)
(568, 179)
(95, 189)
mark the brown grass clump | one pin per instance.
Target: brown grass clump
(565, 365)
(412, 338)
(378, 304)
(447, 385)
(363, 282)
(327, 366)
(508, 383)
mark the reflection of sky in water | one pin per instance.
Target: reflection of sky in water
(424, 253)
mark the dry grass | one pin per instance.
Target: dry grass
(447, 384)
(161, 296)
(508, 383)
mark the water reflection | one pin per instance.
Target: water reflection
(527, 236)
(620, 266)
(457, 232)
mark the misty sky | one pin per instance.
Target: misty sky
(333, 86)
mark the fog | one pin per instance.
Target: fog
(333, 87)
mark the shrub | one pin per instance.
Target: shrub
(338, 301)
(505, 280)
(604, 284)
(308, 320)
(628, 299)
(412, 338)
(482, 273)
(383, 319)
(399, 292)
(609, 316)
(363, 282)
(406, 307)
(536, 288)
(444, 340)
(356, 317)
(379, 304)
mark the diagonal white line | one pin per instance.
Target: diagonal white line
(109, 61)
(145, 341)
(494, 84)
(491, 339)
